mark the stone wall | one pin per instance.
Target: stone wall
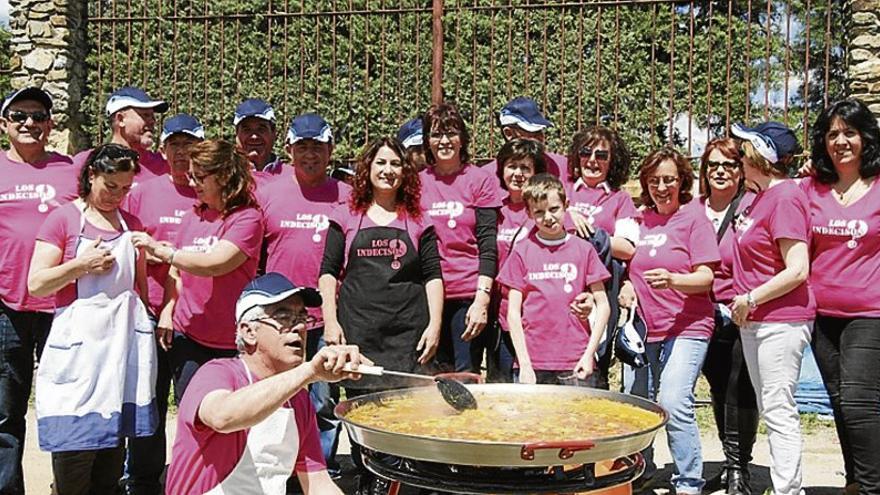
(49, 51)
(864, 53)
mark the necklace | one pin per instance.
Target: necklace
(852, 193)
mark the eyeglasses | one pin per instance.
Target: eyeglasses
(286, 323)
(600, 155)
(450, 135)
(21, 117)
(198, 179)
(667, 181)
(728, 166)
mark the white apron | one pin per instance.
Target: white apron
(97, 375)
(268, 458)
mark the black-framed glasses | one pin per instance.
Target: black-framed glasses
(599, 155)
(287, 323)
(667, 180)
(198, 179)
(21, 117)
(730, 166)
(450, 135)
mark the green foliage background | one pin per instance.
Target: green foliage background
(367, 69)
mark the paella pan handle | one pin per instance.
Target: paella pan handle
(567, 448)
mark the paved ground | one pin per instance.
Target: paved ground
(823, 465)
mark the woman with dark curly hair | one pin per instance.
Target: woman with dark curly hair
(598, 165)
(385, 252)
(214, 257)
(671, 278)
(462, 200)
(844, 202)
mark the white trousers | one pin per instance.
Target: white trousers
(773, 353)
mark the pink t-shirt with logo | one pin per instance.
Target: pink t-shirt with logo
(845, 273)
(205, 309)
(451, 202)
(160, 204)
(676, 242)
(550, 274)
(512, 218)
(722, 286)
(297, 218)
(602, 206)
(28, 193)
(202, 458)
(152, 164)
(780, 212)
(557, 166)
(62, 230)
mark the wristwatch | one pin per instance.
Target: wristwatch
(751, 300)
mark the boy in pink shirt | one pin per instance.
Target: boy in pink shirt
(545, 273)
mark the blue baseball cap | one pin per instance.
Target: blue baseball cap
(130, 96)
(410, 133)
(253, 107)
(309, 126)
(182, 123)
(29, 93)
(773, 140)
(272, 288)
(524, 113)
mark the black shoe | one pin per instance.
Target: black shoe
(738, 482)
(717, 482)
(643, 484)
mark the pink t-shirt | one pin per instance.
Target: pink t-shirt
(451, 202)
(557, 165)
(676, 242)
(152, 164)
(297, 218)
(781, 212)
(28, 193)
(602, 205)
(205, 309)
(511, 217)
(62, 230)
(550, 274)
(845, 272)
(160, 204)
(722, 285)
(202, 458)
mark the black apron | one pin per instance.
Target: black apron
(382, 305)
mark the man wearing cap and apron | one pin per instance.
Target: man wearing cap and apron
(132, 116)
(246, 424)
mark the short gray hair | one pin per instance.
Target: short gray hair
(251, 314)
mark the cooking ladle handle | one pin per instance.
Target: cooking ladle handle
(369, 369)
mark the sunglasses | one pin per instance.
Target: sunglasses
(667, 181)
(198, 179)
(727, 166)
(21, 117)
(600, 155)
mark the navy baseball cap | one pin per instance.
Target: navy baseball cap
(182, 123)
(309, 126)
(30, 93)
(130, 96)
(773, 140)
(524, 113)
(272, 288)
(253, 107)
(410, 133)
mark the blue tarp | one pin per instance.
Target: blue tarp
(811, 395)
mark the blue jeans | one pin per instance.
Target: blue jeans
(22, 335)
(324, 398)
(673, 368)
(454, 353)
(145, 457)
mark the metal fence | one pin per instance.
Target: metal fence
(661, 71)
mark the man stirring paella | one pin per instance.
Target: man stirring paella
(246, 424)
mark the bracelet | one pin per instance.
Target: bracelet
(171, 258)
(751, 300)
(487, 290)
